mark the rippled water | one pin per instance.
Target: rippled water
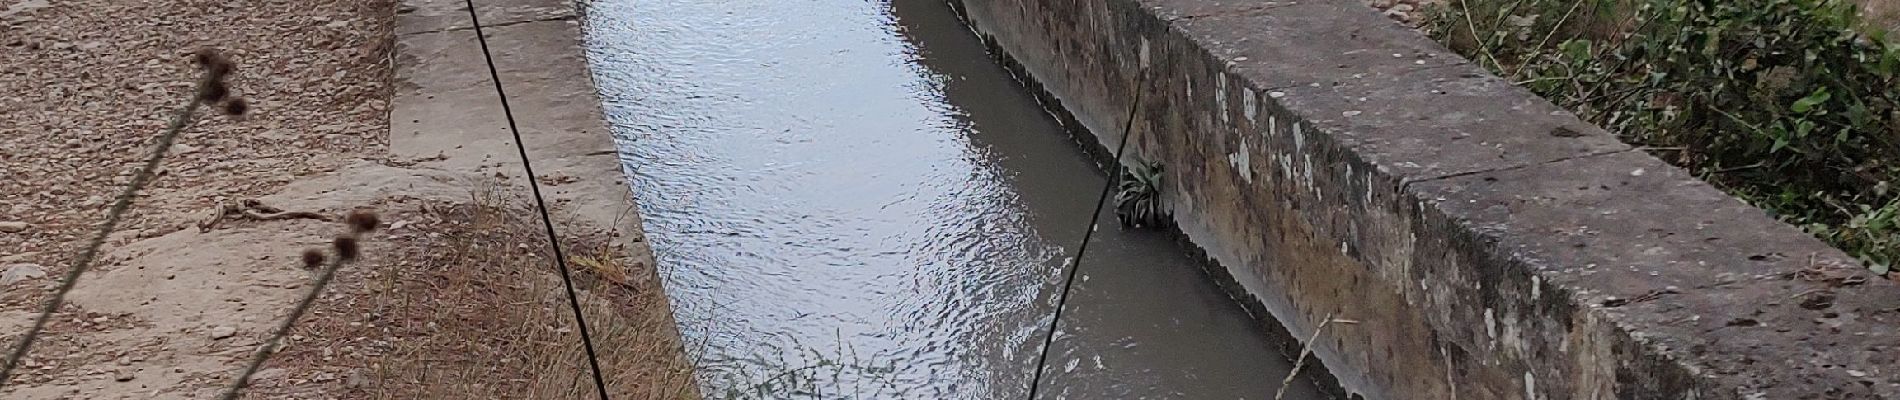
(857, 181)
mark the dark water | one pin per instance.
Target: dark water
(857, 181)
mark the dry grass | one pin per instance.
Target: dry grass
(468, 306)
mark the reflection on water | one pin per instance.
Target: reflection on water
(858, 181)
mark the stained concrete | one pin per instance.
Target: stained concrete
(1490, 244)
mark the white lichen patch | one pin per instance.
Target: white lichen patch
(1491, 324)
(1249, 105)
(1220, 97)
(1144, 53)
(1242, 161)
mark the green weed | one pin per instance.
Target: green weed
(1789, 104)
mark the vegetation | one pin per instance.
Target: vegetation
(802, 372)
(1789, 104)
(1138, 199)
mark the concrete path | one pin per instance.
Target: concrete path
(445, 104)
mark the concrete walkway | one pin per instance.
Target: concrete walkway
(445, 104)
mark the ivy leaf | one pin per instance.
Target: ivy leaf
(1807, 103)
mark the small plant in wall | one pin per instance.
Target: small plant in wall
(1138, 199)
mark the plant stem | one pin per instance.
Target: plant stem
(283, 328)
(1304, 352)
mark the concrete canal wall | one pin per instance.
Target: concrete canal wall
(1489, 244)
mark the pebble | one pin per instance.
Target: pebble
(20, 272)
(269, 375)
(123, 376)
(357, 379)
(222, 332)
(13, 226)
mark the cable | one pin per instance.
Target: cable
(540, 204)
(1062, 298)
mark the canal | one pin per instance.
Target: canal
(856, 182)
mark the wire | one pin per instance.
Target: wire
(540, 204)
(1062, 298)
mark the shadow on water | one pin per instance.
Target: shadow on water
(860, 176)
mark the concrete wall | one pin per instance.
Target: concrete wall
(1490, 245)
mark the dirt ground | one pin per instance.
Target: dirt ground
(89, 83)
(1885, 13)
(171, 308)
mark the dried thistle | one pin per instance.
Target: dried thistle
(214, 63)
(313, 258)
(346, 248)
(361, 221)
(236, 107)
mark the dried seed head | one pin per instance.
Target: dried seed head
(214, 92)
(362, 221)
(312, 258)
(236, 107)
(346, 248)
(213, 63)
(207, 56)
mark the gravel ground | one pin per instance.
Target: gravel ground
(1409, 12)
(89, 83)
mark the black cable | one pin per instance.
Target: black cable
(1062, 298)
(540, 204)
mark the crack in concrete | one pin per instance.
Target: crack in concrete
(1239, 11)
(1234, 67)
(567, 17)
(1406, 185)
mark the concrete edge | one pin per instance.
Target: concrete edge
(1490, 244)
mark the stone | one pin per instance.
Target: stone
(123, 375)
(222, 332)
(24, 6)
(20, 272)
(269, 375)
(357, 379)
(13, 226)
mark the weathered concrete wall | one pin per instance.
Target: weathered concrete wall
(1491, 245)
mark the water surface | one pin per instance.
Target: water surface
(858, 181)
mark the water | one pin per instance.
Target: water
(857, 181)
